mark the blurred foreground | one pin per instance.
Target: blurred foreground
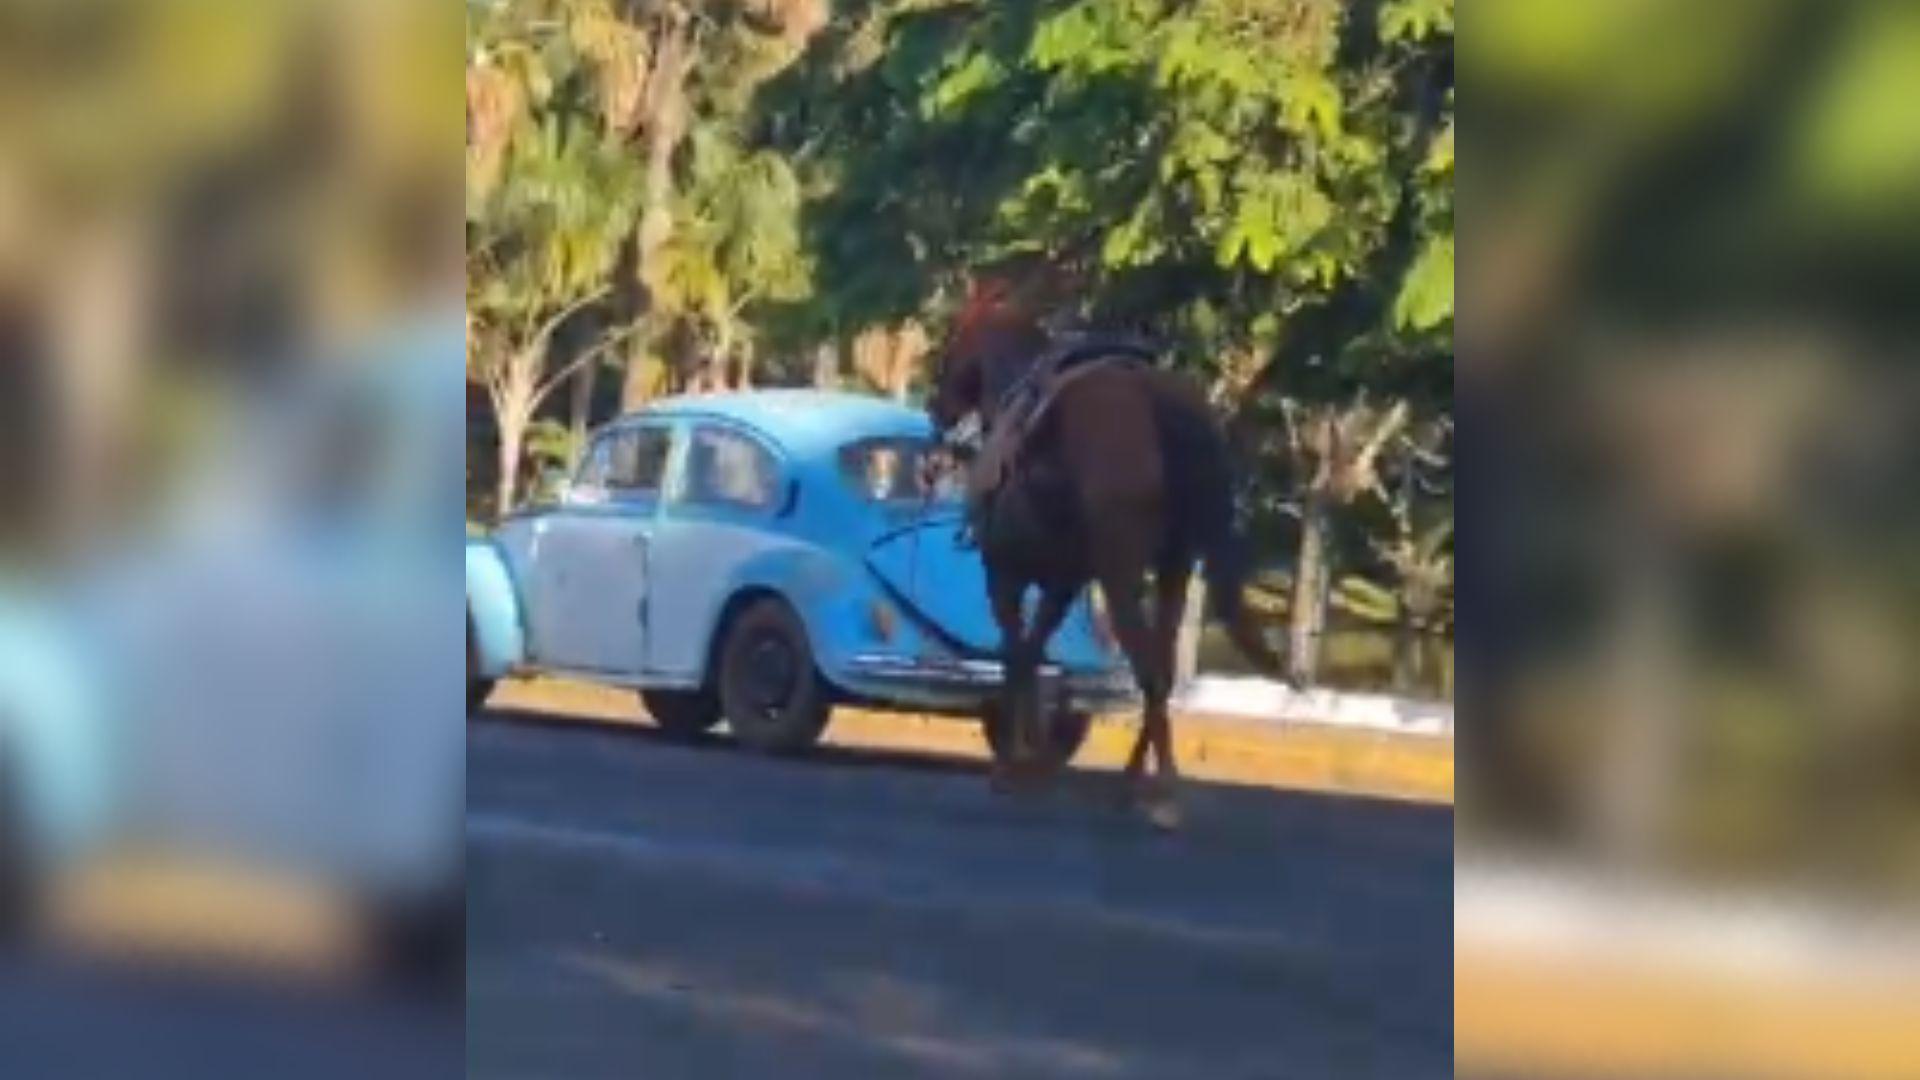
(230, 752)
(1690, 717)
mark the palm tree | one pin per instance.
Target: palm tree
(557, 199)
(739, 246)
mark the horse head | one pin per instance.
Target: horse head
(996, 334)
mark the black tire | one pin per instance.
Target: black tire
(19, 880)
(770, 692)
(682, 714)
(1066, 732)
(423, 944)
(478, 689)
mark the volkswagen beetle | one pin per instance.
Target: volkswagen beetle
(756, 559)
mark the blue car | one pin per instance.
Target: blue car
(758, 558)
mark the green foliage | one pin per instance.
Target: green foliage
(547, 232)
(1226, 154)
(1426, 296)
(1415, 20)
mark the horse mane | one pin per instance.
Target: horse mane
(992, 312)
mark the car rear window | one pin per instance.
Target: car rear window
(892, 470)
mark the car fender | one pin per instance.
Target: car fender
(827, 589)
(494, 612)
(55, 735)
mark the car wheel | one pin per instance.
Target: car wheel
(478, 688)
(478, 691)
(422, 942)
(18, 882)
(682, 714)
(1065, 734)
(772, 696)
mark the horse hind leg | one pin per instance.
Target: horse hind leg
(1126, 606)
(1170, 604)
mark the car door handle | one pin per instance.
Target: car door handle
(641, 541)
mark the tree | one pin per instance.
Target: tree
(551, 197)
(738, 247)
(670, 60)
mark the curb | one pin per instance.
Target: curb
(1289, 755)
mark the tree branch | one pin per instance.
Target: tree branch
(1390, 426)
(569, 310)
(587, 356)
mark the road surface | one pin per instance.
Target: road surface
(640, 909)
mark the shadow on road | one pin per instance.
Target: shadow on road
(1220, 815)
(879, 912)
(643, 731)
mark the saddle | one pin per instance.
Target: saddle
(1022, 409)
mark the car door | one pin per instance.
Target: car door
(590, 572)
(728, 491)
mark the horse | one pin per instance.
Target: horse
(1118, 474)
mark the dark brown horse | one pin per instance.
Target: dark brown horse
(1123, 481)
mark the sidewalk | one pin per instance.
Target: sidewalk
(1220, 734)
(1560, 971)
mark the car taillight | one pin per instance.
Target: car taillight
(880, 619)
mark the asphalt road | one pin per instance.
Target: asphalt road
(639, 909)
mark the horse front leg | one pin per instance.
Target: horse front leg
(1055, 602)
(1170, 604)
(1007, 594)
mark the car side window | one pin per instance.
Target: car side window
(628, 463)
(727, 468)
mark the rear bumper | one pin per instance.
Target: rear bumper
(946, 682)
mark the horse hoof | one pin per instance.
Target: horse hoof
(1164, 814)
(1001, 780)
(1016, 778)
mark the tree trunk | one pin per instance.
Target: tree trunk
(826, 365)
(666, 125)
(512, 431)
(97, 329)
(1307, 612)
(636, 388)
(1186, 650)
(1406, 657)
(1637, 771)
(721, 362)
(580, 415)
(746, 364)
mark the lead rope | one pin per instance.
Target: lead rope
(927, 484)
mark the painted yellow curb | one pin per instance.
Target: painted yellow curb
(1309, 757)
(1522, 1015)
(180, 908)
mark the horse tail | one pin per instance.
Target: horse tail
(1229, 564)
(1201, 461)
